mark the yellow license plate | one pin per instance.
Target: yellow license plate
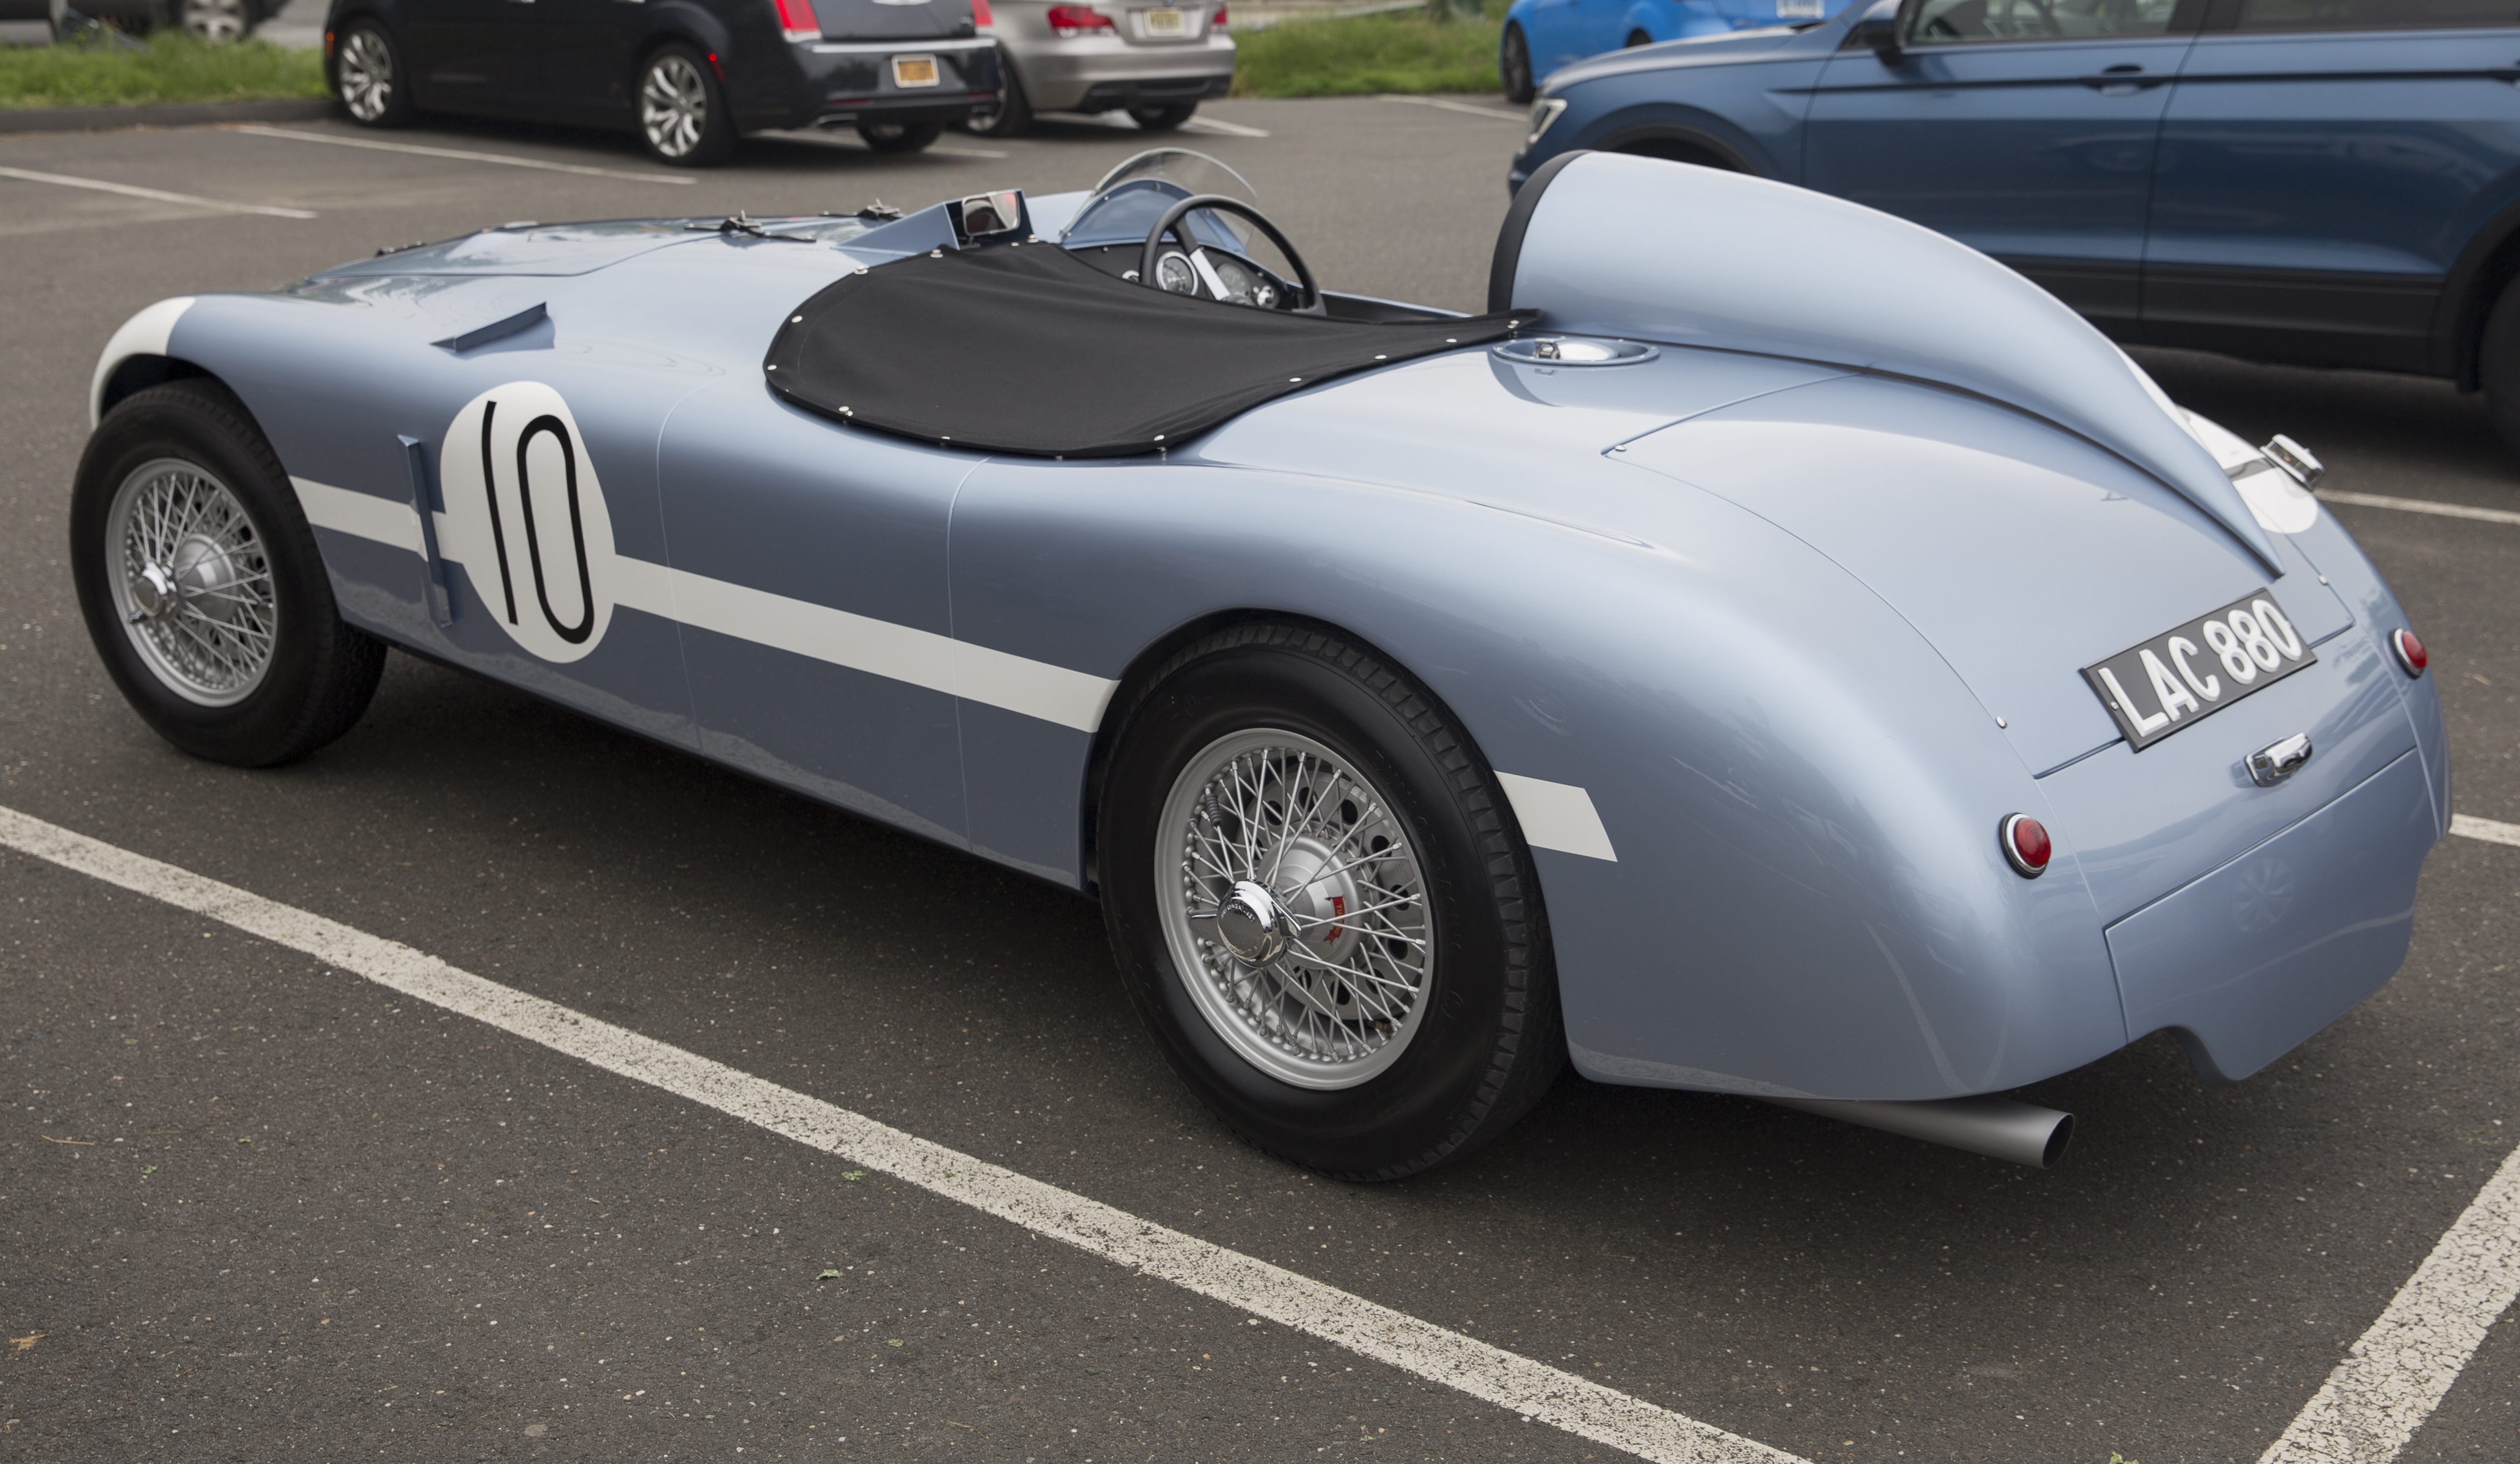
(1167, 23)
(913, 70)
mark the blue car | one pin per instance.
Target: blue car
(2314, 181)
(1543, 37)
(1858, 689)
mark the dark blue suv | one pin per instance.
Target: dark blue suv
(2316, 182)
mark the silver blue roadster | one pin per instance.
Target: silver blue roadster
(1713, 666)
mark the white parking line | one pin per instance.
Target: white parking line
(2486, 830)
(2419, 506)
(460, 155)
(1465, 106)
(1220, 127)
(1534, 1389)
(131, 190)
(2398, 1372)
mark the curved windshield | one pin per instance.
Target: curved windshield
(1129, 200)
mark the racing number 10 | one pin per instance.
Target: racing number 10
(552, 426)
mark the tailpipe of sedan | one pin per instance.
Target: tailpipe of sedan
(1998, 1128)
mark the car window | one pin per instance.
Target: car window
(2375, 15)
(1945, 21)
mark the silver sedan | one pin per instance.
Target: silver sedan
(1157, 61)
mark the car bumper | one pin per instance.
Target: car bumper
(1096, 76)
(2254, 959)
(845, 81)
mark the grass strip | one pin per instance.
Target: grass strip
(1395, 50)
(172, 66)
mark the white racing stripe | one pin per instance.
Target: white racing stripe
(159, 195)
(2398, 1372)
(2419, 506)
(861, 643)
(1557, 816)
(460, 155)
(2468, 826)
(1534, 1389)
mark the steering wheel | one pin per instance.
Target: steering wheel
(1171, 223)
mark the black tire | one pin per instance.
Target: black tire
(320, 672)
(1163, 118)
(900, 136)
(680, 108)
(1488, 1039)
(2499, 365)
(1011, 115)
(369, 77)
(1638, 38)
(1514, 65)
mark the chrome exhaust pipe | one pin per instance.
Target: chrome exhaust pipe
(1998, 1128)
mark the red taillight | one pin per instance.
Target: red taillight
(797, 20)
(1216, 21)
(980, 14)
(1071, 20)
(2025, 845)
(2411, 651)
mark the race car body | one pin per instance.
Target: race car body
(1753, 677)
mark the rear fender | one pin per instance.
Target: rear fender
(1801, 890)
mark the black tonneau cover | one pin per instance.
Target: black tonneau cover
(1026, 349)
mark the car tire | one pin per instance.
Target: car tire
(218, 21)
(1457, 1035)
(201, 584)
(369, 76)
(1635, 39)
(2499, 365)
(1010, 115)
(1514, 65)
(683, 118)
(900, 136)
(1163, 118)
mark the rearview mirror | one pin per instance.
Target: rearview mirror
(1878, 33)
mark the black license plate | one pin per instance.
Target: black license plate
(2189, 672)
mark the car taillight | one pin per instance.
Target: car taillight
(2026, 846)
(797, 20)
(1216, 21)
(2412, 657)
(1073, 21)
(980, 14)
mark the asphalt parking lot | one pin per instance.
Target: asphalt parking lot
(253, 1205)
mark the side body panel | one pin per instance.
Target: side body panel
(761, 496)
(2314, 189)
(2038, 152)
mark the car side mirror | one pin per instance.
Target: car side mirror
(1878, 33)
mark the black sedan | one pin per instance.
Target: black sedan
(689, 75)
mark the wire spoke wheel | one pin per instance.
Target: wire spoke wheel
(192, 582)
(673, 106)
(365, 72)
(1295, 909)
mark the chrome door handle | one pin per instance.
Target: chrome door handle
(2274, 763)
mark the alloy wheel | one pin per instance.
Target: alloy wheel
(365, 72)
(673, 106)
